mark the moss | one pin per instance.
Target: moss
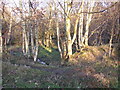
(49, 57)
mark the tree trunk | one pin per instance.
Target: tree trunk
(80, 30)
(58, 39)
(32, 41)
(69, 42)
(36, 41)
(23, 42)
(47, 39)
(1, 41)
(89, 18)
(25, 39)
(111, 39)
(10, 28)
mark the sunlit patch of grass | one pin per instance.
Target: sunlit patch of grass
(47, 48)
(50, 57)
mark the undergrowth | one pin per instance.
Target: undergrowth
(21, 72)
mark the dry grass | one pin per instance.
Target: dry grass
(92, 69)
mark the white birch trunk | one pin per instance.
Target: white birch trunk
(10, 28)
(47, 39)
(80, 30)
(75, 30)
(32, 41)
(69, 41)
(58, 39)
(36, 42)
(68, 26)
(89, 18)
(111, 39)
(1, 41)
(23, 42)
(22, 27)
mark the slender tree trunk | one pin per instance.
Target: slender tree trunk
(110, 45)
(23, 42)
(80, 30)
(111, 39)
(36, 41)
(68, 32)
(22, 27)
(64, 53)
(47, 39)
(76, 44)
(58, 39)
(1, 41)
(75, 30)
(31, 30)
(69, 41)
(32, 41)
(25, 39)
(50, 40)
(89, 18)
(50, 27)
(10, 28)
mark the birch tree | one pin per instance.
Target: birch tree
(36, 41)
(89, 18)
(58, 32)
(1, 41)
(80, 29)
(70, 40)
(10, 28)
(68, 27)
(33, 31)
(25, 42)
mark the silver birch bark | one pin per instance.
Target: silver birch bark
(36, 41)
(68, 26)
(10, 28)
(25, 39)
(111, 39)
(69, 41)
(89, 18)
(22, 26)
(31, 29)
(32, 40)
(1, 41)
(80, 30)
(23, 42)
(58, 38)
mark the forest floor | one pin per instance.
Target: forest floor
(91, 68)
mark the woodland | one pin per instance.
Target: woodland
(59, 44)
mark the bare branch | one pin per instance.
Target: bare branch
(100, 10)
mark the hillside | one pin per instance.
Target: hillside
(92, 68)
